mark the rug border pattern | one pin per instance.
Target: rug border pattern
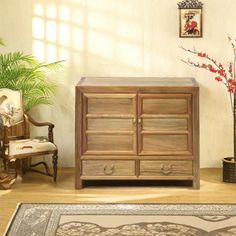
(117, 209)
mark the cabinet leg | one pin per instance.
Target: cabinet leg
(196, 184)
(79, 184)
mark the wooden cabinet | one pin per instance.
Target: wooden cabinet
(137, 128)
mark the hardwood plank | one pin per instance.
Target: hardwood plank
(38, 188)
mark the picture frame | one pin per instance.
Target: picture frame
(190, 19)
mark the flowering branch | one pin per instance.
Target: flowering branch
(225, 76)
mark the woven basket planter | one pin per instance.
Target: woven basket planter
(229, 170)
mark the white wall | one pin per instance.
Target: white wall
(122, 38)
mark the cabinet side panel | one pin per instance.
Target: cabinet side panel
(196, 169)
(78, 137)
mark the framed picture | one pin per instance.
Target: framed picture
(190, 19)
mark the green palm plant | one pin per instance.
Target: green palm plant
(25, 73)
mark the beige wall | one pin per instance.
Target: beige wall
(122, 38)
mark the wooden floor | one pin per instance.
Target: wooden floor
(35, 188)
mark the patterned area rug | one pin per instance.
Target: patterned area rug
(123, 220)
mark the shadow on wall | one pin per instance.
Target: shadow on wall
(92, 36)
(83, 32)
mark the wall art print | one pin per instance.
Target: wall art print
(190, 19)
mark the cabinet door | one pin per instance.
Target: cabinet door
(165, 122)
(109, 124)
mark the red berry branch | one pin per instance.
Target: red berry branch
(214, 67)
(223, 75)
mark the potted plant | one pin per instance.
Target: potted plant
(226, 76)
(19, 71)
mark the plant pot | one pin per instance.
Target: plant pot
(229, 170)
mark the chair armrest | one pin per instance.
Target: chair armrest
(34, 122)
(41, 124)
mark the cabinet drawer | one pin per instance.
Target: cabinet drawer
(166, 168)
(108, 168)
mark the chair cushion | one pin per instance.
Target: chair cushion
(25, 146)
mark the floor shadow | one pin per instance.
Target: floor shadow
(142, 183)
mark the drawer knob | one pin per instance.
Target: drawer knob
(108, 169)
(166, 169)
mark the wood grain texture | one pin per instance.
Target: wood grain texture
(136, 82)
(166, 168)
(164, 106)
(78, 137)
(108, 168)
(110, 142)
(140, 119)
(100, 124)
(34, 189)
(110, 103)
(106, 123)
(195, 136)
(165, 124)
(158, 143)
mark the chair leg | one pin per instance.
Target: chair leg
(55, 161)
(38, 171)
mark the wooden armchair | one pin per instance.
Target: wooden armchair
(16, 145)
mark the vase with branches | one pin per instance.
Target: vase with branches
(226, 75)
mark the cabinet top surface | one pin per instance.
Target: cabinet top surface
(137, 82)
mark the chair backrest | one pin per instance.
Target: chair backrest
(11, 107)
